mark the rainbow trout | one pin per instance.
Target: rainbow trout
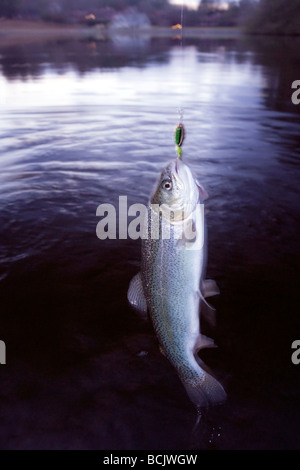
(171, 283)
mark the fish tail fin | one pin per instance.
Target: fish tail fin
(203, 389)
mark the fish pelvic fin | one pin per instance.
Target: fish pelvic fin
(203, 389)
(209, 288)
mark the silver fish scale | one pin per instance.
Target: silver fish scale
(172, 271)
(171, 276)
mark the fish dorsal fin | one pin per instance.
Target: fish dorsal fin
(209, 288)
(135, 294)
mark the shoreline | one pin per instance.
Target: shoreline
(14, 31)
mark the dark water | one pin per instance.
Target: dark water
(84, 122)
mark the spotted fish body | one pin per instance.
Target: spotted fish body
(172, 272)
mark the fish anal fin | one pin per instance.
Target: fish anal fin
(203, 342)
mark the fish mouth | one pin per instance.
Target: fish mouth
(181, 176)
(177, 172)
(184, 179)
(176, 166)
(172, 171)
(185, 194)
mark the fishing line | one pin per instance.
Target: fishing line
(179, 131)
(180, 109)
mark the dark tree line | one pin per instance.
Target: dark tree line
(10, 8)
(37, 8)
(274, 17)
(160, 12)
(258, 16)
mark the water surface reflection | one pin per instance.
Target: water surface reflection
(83, 122)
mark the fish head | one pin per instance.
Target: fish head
(178, 191)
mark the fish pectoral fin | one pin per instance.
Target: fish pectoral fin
(210, 288)
(135, 294)
(203, 342)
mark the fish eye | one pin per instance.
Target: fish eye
(167, 184)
